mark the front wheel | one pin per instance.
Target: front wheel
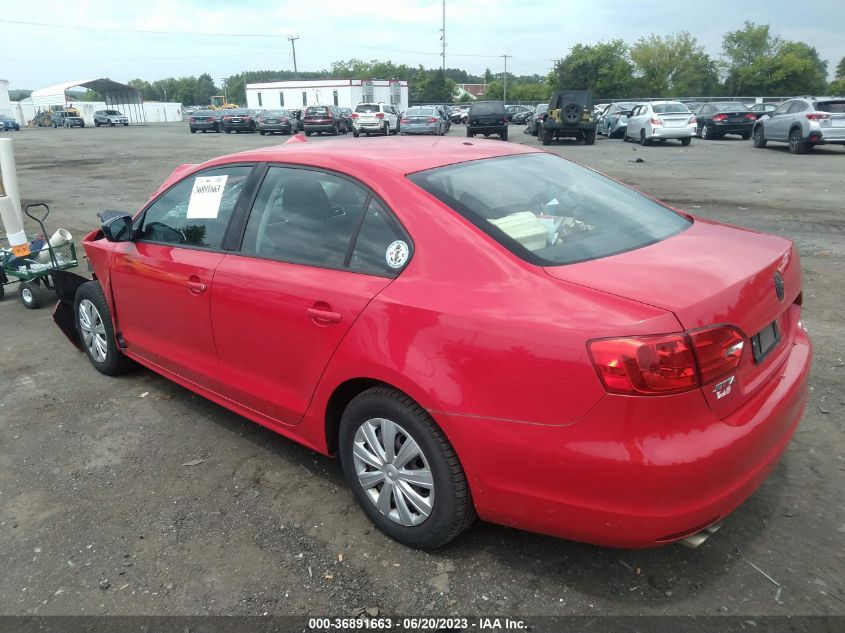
(193, 131)
(402, 470)
(96, 123)
(759, 137)
(96, 333)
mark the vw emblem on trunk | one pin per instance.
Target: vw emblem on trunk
(779, 287)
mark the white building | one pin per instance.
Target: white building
(342, 92)
(5, 104)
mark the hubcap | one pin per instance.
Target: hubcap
(26, 293)
(93, 330)
(393, 471)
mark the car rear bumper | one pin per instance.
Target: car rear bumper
(410, 128)
(238, 126)
(487, 129)
(732, 128)
(321, 127)
(372, 127)
(673, 132)
(203, 125)
(275, 127)
(634, 472)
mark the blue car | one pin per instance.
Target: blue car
(423, 120)
(8, 123)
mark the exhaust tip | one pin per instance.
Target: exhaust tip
(695, 540)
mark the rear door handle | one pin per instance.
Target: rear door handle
(323, 316)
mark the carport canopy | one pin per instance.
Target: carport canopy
(116, 95)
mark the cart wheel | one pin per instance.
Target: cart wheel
(31, 294)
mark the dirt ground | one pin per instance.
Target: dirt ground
(99, 513)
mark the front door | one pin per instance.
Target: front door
(161, 281)
(314, 254)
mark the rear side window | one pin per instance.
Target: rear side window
(197, 210)
(549, 211)
(315, 218)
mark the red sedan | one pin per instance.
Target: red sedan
(473, 328)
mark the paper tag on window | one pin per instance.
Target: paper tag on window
(206, 197)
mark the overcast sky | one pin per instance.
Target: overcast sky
(108, 44)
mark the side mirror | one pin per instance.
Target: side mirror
(629, 115)
(116, 225)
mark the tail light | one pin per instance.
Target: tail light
(692, 121)
(666, 363)
(192, 120)
(750, 115)
(353, 116)
(379, 115)
(720, 117)
(818, 116)
(245, 117)
(645, 364)
(227, 118)
(260, 119)
(655, 121)
(329, 114)
(431, 120)
(406, 121)
(284, 119)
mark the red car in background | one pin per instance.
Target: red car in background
(473, 328)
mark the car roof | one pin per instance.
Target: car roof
(401, 156)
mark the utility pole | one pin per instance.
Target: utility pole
(225, 98)
(505, 79)
(443, 37)
(292, 39)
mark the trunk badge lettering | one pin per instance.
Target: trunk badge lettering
(721, 389)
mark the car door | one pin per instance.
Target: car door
(633, 130)
(161, 280)
(777, 126)
(316, 249)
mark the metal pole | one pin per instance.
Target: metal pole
(443, 37)
(505, 79)
(292, 39)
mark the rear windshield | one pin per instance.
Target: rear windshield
(729, 107)
(420, 112)
(276, 113)
(315, 110)
(834, 107)
(670, 108)
(363, 107)
(203, 113)
(487, 107)
(548, 210)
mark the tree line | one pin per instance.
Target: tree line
(753, 61)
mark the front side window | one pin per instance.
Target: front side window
(195, 211)
(309, 217)
(783, 108)
(549, 211)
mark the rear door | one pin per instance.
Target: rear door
(314, 253)
(833, 125)
(161, 280)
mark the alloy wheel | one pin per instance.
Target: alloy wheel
(393, 471)
(93, 330)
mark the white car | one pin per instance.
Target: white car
(659, 121)
(375, 118)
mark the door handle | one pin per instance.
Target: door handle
(195, 286)
(323, 316)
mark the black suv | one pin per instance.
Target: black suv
(570, 115)
(488, 117)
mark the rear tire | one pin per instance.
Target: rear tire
(504, 135)
(470, 134)
(796, 143)
(686, 141)
(355, 133)
(261, 132)
(590, 137)
(746, 136)
(386, 129)
(547, 136)
(379, 426)
(643, 140)
(101, 348)
(193, 131)
(707, 132)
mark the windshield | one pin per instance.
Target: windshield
(487, 107)
(113, 113)
(364, 107)
(550, 211)
(670, 108)
(834, 107)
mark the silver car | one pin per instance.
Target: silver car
(109, 117)
(803, 122)
(613, 120)
(422, 120)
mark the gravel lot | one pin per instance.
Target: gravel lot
(100, 514)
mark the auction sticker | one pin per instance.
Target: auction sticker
(397, 254)
(206, 197)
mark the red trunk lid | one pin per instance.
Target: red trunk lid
(710, 274)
